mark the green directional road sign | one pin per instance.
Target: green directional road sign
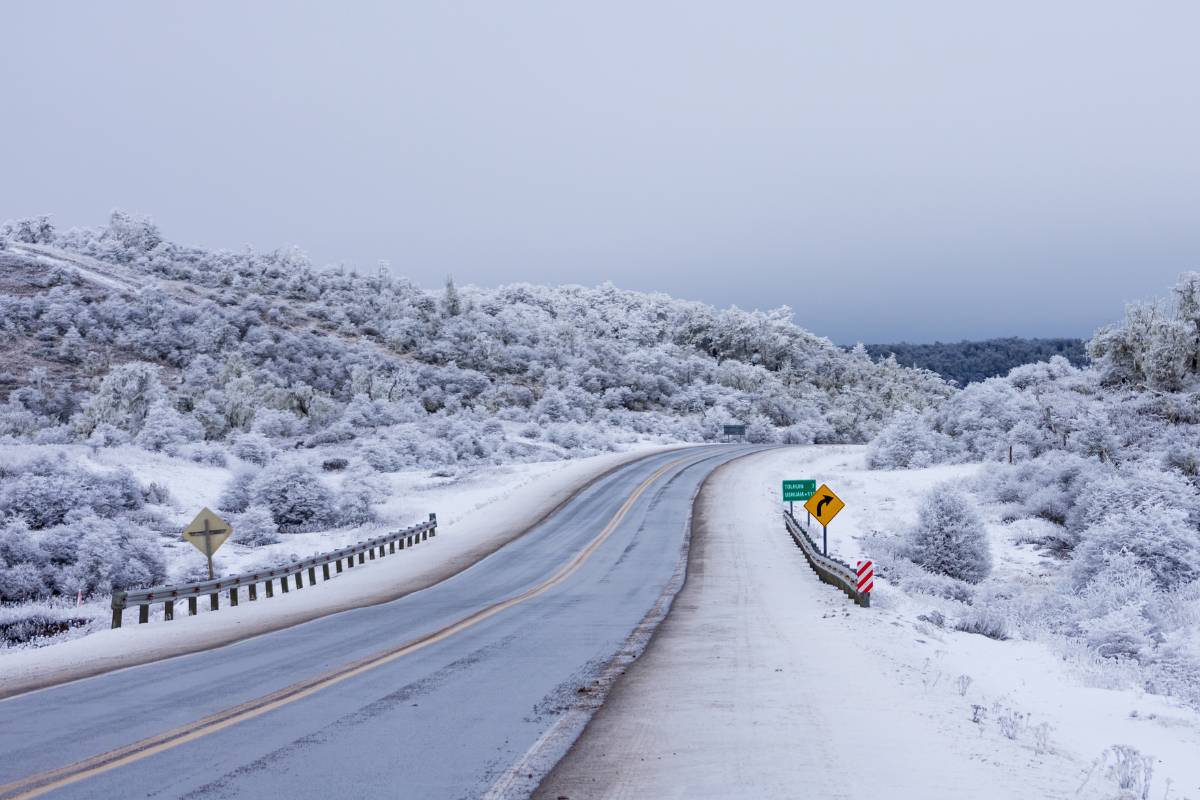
(798, 491)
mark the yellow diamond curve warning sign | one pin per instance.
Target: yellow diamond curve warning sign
(824, 505)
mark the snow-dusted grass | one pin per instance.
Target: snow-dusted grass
(1087, 703)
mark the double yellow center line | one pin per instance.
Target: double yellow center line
(43, 782)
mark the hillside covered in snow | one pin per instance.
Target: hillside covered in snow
(291, 393)
(1090, 479)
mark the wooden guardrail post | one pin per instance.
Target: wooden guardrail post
(118, 606)
(214, 602)
(192, 607)
(169, 610)
(252, 592)
(233, 596)
(325, 571)
(143, 614)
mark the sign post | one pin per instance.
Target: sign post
(797, 490)
(824, 505)
(207, 532)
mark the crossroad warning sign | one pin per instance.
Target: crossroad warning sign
(824, 505)
(207, 532)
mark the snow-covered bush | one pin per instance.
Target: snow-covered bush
(253, 448)
(984, 620)
(275, 423)
(255, 527)
(124, 398)
(949, 537)
(239, 493)
(1160, 540)
(165, 427)
(294, 494)
(907, 441)
(45, 493)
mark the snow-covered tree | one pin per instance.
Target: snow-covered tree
(949, 537)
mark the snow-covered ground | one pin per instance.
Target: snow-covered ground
(477, 513)
(765, 682)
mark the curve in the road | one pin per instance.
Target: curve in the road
(581, 607)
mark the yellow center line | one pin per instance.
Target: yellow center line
(43, 782)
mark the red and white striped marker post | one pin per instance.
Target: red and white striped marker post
(866, 577)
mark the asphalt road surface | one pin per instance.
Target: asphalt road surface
(435, 695)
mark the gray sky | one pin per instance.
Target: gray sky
(892, 171)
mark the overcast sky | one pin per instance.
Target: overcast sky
(892, 171)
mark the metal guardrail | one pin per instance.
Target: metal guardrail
(828, 570)
(371, 549)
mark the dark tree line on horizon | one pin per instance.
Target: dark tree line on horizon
(970, 362)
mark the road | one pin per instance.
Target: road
(435, 695)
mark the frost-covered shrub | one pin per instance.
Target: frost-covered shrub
(19, 582)
(239, 492)
(1047, 486)
(1161, 540)
(1184, 458)
(56, 434)
(985, 621)
(205, 453)
(124, 398)
(165, 427)
(107, 554)
(384, 457)
(255, 527)
(907, 441)
(1135, 489)
(275, 423)
(254, 448)
(334, 434)
(45, 492)
(949, 537)
(88, 553)
(107, 435)
(294, 494)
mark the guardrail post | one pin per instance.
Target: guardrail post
(325, 570)
(118, 606)
(269, 585)
(312, 576)
(401, 542)
(362, 557)
(252, 590)
(169, 610)
(393, 545)
(233, 598)
(300, 579)
(192, 606)
(283, 583)
(339, 565)
(144, 614)
(433, 523)
(372, 552)
(214, 601)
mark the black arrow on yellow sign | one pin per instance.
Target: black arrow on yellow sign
(824, 501)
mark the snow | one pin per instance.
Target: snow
(475, 516)
(765, 682)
